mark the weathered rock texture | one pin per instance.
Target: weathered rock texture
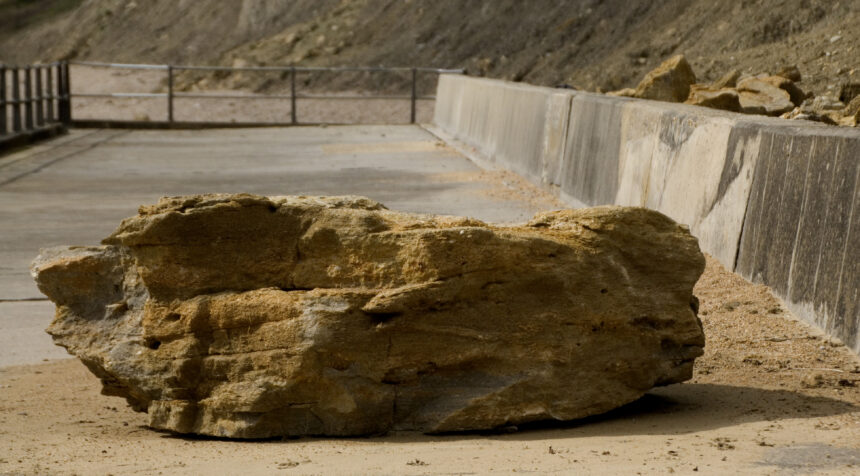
(764, 94)
(670, 81)
(759, 96)
(248, 317)
(726, 99)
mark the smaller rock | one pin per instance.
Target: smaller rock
(761, 97)
(626, 92)
(670, 81)
(820, 104)
(849, 91)
(835, 342)
(725, 99)
(852, 108)
(796, 94)
(812, 380)
(851, 114)
(790, 72)
(729, 80)
(798, 114)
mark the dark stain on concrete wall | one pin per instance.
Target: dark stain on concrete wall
(799, 236)
(737, 151)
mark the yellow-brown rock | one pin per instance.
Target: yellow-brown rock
(795, 94)
(670, 81)
(248, 317)
(725, 99)
(728, 80)
(758, 96)
(851, 113)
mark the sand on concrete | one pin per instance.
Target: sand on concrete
(770, 396)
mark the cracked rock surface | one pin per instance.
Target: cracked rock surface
(250, 317)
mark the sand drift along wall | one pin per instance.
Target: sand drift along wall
(772, 200)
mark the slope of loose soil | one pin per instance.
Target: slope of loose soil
(591, 44)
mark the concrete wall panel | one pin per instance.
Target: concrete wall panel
(555, 138)
(721, 225)
(640, 140)
(685, 178)
(835, 241)
(798, 230)
(791, 156)
(811, 220)
(591, 161)
(675, 161)
(510, 123)
(763, 215)
(847, 312)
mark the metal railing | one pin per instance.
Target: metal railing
(292, 71)
(33, 97)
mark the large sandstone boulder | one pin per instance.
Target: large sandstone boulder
(670, 81)
(248, 317)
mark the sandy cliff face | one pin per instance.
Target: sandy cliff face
(589, 44)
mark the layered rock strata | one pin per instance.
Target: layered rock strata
(249, 317)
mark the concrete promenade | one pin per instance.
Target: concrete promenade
(74, 190)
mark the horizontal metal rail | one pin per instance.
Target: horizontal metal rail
(244, 96)
(298, 69)
(172, 95)
(96, 64)
(121, 95)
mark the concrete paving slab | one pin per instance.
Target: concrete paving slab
(22, 333)
(75, 191)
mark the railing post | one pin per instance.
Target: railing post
(28, 98)
(68, 79)
(170, 93)
(414, 94)
(60, 103)
(293, 114)
(16, 101)
(49, 87)
(3, 127)
(40, 99)
(64, 87)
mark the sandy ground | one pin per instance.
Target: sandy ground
(770, 396)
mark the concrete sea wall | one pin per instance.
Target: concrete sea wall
(775, 201)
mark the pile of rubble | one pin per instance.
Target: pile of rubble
(765, 94)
